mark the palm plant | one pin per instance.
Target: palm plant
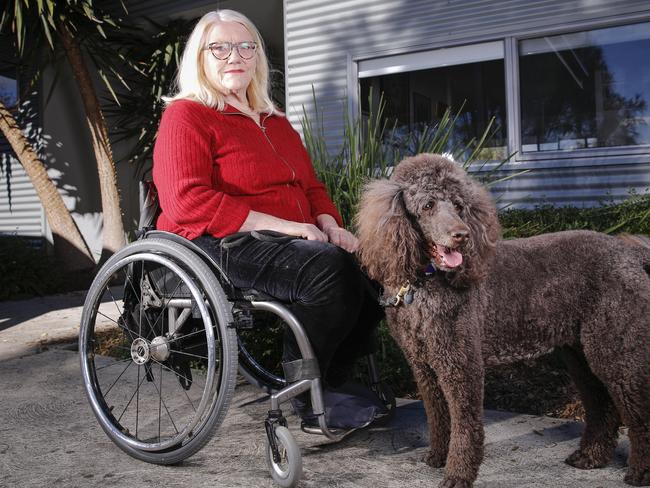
(70, 247)
(51, 26)
(156, 58)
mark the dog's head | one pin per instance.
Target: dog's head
(430, 211)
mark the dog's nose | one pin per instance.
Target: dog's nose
(460, 236)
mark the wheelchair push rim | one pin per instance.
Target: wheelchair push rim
(174, 362)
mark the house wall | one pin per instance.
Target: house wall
(326, 41)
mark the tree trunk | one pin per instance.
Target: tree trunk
(113, 233)
(69, 245)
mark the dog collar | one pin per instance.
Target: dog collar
(406, 291)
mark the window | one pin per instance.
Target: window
(585, 89)
(8, 91)
(471, 77)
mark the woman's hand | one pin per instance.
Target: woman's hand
(337, 235)
(342, 238)
(262, 221)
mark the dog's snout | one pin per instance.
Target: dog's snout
(460, 236)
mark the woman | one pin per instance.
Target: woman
(227, 161)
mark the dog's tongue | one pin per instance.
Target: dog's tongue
(450, 258)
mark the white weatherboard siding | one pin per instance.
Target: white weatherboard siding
(329, 44)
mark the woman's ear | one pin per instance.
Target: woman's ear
(390, 248)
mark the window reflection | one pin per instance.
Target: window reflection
(8, 91)
(420, 98)
(586, 89)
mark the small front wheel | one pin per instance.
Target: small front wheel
(288, 470)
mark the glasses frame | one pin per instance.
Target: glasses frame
(232, 45)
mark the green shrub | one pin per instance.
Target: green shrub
(631, 216)
(25, 271)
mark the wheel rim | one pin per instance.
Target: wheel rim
(283, 468)
(164, 382)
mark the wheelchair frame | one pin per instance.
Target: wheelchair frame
(156, 329)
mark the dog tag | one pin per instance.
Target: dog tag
(408, 298)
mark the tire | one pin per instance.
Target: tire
(158, 355)
(288, 471)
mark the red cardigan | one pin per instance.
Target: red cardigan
(211, 168)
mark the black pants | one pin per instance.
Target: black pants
(321, 284)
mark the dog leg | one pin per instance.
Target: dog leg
(602, 420)
(435, 407)
(632, 395)
(462, 385)
(638, 473)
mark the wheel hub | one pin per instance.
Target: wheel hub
(159, 348)
(143, 351)
(140, 351)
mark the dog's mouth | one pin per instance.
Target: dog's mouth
(445, 257)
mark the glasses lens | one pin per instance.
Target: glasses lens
(246, 49)
(221, 50)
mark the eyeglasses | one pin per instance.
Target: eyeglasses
(223, 50)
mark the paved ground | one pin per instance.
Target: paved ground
(49, 436)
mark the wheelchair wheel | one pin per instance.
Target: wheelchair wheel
(158, 358)
(288, 470)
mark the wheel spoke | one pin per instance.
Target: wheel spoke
(132, 397)
(188, 354)
(116, 322)
(117, 379)
(162, 402)
(137, 404)
(115, 363)
(187, 380)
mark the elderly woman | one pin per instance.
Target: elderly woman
(227, 160)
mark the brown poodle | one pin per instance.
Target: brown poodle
(491, 301)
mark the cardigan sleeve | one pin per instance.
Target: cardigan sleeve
(182, 173)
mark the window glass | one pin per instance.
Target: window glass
(8, 91)
(586, 89)
(418, 98)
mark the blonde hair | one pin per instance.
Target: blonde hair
(192, 81)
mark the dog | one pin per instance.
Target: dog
(487, 301)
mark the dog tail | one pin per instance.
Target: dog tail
(635, 240)
(639, 241)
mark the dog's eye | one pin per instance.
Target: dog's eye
(458, 207)
(428, 205)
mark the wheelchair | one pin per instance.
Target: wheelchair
(161, 343)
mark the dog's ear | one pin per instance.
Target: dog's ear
(480, 215)
(390, 248)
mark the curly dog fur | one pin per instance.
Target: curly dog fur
(494, 301)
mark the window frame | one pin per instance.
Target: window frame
(513, 72)
(528, 160)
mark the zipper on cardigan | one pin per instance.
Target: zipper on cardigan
(293, 171)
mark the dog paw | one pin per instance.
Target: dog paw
(435, 459)
(454, 483)
(581, 460)
(637, 477)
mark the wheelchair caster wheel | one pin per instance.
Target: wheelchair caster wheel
(288, 470)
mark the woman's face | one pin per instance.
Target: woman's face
(234, 73)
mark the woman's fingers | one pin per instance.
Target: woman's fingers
(342, 238)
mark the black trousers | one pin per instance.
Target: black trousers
(321, 284)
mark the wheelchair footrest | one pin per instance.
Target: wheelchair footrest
(301, 369)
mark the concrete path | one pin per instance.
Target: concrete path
(49, 436)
